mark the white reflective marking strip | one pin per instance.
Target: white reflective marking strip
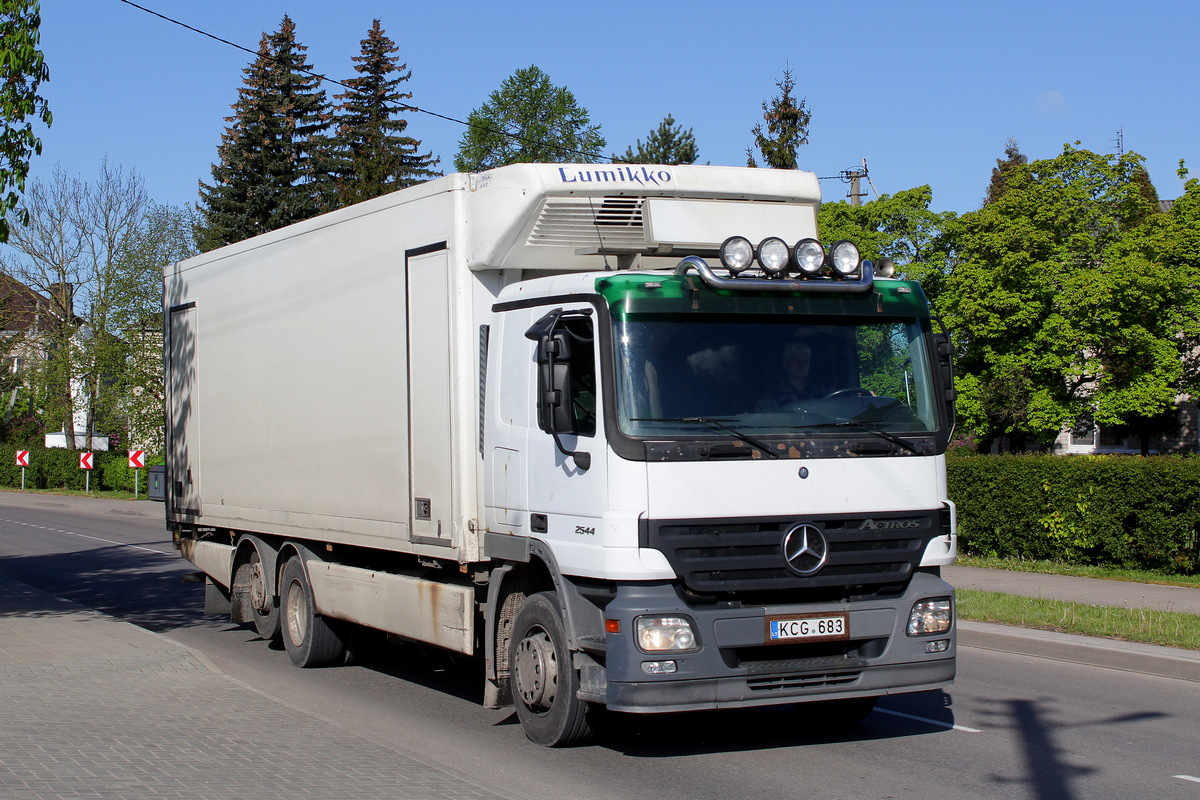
(1191, 778)
(86, 536)
(939, 723)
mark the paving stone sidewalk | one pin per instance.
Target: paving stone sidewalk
(92, 707)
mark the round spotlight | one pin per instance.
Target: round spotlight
(809, 256)
(772, 255)
(737, 254)
(845, 258)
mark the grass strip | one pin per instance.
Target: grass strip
(1078, 570)
(1149, 626)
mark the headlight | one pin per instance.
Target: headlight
(773, 255)
(845, 257)
(929, 617)
(737, 254)
(809, 256)
(666, 634)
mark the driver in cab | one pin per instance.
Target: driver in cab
(795, 382)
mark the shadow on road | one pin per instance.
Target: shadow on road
(1049, 772)
(141, 588)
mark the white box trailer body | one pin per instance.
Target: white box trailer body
(355, 422)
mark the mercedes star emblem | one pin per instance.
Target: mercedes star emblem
(805, 549)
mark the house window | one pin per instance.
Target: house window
(1083, 438)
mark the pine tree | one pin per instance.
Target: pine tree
(373, 157)
(274, 158)
(787, 127)
(306, 117)
(669, 144)
(1013, 158)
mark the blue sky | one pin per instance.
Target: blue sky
(927, 92)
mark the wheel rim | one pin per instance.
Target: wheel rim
(537, 670)
(297, 613)
(258, 586)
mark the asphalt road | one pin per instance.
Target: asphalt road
(1011, 727)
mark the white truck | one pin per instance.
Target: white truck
(599, 425)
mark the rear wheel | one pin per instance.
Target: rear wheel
(545, 684)
(310, 639)
(262, 603)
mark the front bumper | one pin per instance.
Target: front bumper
(734, 667)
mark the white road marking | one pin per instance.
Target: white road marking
(938, 723)
(1191, 778)
(87, 536)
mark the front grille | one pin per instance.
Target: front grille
(865, 553)
(780, 683)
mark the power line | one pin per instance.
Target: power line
(326, 78)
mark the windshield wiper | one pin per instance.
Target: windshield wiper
(719, 424)
(882, 434)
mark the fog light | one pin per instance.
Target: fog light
(845, 258)
(666, 634)
(736, 254)
(659, 667)
(809, 256)
(929, 616)
(773, 255)
(937, 646)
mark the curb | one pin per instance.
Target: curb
(1148, 659)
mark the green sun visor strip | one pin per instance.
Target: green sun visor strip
(642, 293)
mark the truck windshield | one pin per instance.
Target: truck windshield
(702, 375)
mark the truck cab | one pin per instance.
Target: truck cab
(737, 482)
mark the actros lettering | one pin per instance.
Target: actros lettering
(643, 176)
(889, 524)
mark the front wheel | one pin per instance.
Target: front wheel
(545, 684)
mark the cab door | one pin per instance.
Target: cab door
(567, 494)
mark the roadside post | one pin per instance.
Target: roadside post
(22, 462)
(85, 463)
(137, 461)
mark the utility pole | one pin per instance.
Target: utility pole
(854, 177)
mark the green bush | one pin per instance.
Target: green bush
(57, 468)
(1124, 511)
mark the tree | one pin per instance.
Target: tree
(22, 69)
(528, 119)
(787, 127)
(373, 156)
(166, 235)
(900, 227)
(1066, 302)
(274, 158)
(1013, 158)
(70, 252)
(668, 144)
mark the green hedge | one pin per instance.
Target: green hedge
(1120, 511)
(57, 468)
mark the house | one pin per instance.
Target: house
(28, 319)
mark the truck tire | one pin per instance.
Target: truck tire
(265, 622)
(310, 639)
(544, 681)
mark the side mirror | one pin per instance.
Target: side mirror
(555, 412)
(944, 351)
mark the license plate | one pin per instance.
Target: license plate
(807, 628)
